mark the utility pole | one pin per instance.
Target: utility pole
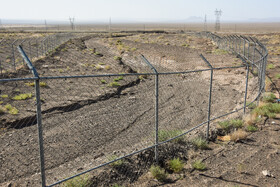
(72, 22)
(205, 23)
(46, 26)
(218, 14)
(110, 33)
(1, 26)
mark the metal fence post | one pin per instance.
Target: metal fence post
(246, 89)
(0, 66)
(156, 105)
(40, 132)
(248, 49)
(244, 50)
(246, 86)
(38, 114)
(210, 96)
(14, 56)
(37, 48)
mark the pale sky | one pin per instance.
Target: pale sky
(138, 10)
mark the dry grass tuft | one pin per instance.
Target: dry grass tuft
(238, 135)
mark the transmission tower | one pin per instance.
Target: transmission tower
(72, 22)
(205, 23)
(218, 14)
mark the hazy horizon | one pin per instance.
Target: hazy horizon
(95, 11)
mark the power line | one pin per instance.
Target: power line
(218, 14)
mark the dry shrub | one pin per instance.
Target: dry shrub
(238, 135)
(251, 119)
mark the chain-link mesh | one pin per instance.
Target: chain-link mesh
(101, 100)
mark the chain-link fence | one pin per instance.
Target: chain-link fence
(89, 107)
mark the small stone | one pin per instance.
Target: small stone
(273, 122)
(267, 173)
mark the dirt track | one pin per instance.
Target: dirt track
(85, 122)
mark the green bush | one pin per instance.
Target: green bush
(199, 165)
(268, 110)
(12, 110)
(251, 128)
(200, 143)
(268, 97)
(158, 173)
(227, 125)
(22, 96)
(176, 165)
(237, 123)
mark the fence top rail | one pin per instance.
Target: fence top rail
(28, 62)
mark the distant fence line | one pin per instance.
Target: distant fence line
(35, 47)
(252, 53)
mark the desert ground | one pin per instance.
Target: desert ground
(89, 121)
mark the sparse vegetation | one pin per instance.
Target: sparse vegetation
(158, 173)
(251, 128)
(11, 109)
(227, 125)
(117, 58)
(185, 45)
(219, 52)
(133, 49)
(80, 181)
(118, 79)
(176, 165)
(268, 110)
(42, 84)
(98, 67)
(103, 81)
(4, 96)
(142, 77)
(277, 76)
(238, 135)
(251, 105)
(199, 165)
(108, 67)
(117, 163)
(164, 135)
(270, 66)
(116, 185)
(22, 96)
(268, 97)
(200, 143)
(97, 54)
(114, 84)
